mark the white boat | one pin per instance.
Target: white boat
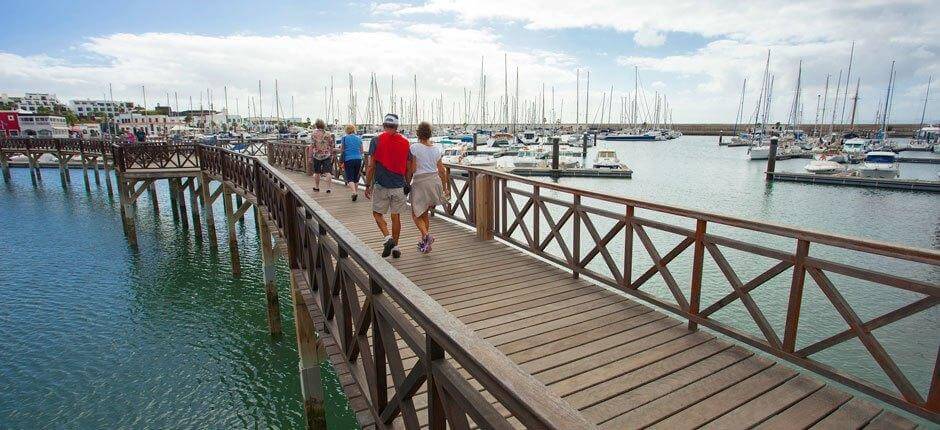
(925, 139)
(478, 159)
(628, 136)
(532, 156)
(880, 164)
(530, 137)
(499, 142)
(823, 167)
(759, 151)
(607, 159)
(854, 149)
(569, 158)
(453, 154)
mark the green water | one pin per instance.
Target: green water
(96, 335)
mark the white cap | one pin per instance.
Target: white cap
(391, 119)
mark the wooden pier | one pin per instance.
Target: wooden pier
(513, 322)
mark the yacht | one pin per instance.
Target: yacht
(759, 150)
(498, 143)
(453, 154)
(880, 164)
(530, 137)
(823, 167)
(607, 159)
(925, 139)
(625, 136)
(532, 156)
(854, 149)
(569, 158)
(478, 159)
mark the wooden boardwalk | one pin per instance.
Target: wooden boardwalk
(620, 362)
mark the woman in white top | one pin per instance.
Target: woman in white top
(429, 183)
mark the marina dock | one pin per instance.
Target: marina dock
(573, 173)
(856, 181)
(510, 323)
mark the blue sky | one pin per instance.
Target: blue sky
(696, 54)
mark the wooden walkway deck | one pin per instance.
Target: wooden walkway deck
(623, 364)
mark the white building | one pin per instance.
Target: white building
(43, 126)
(151, 124)
(85, 108)
(31, 102)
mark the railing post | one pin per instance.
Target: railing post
(933, 396)
(535, 216)
(483, 205)
(698, 259)
(628, 247)
(796, 295)
(576, 240)
(436, 417)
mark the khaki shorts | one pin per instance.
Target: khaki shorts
(388, 200)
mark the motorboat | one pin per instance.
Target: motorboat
(478, 159)
(823, 167)
(499, 142)
(607, 159)
(854, 149)
(530, 137)
(569, 158)
(880, 164)
(627, 136)
(759, 150)
(925, 139)
(453, 154)
(532, 156)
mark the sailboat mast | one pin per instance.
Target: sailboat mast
(923, 111)
(884, 116)
(737, 117)
(848, 78)
(636, 96)
(587, 98)
(855, 102)
(577, 99)
(835, 103)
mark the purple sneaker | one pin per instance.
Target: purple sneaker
(428, 240)
(422, 244)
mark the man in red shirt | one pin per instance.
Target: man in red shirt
(385, 181)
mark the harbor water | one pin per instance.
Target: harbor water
(96, 335)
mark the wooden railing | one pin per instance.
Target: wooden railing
(71, 146)
(359, 294)
(595, 234)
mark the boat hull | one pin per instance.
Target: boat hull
(629, 138)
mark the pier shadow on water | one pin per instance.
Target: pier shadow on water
(100, 335)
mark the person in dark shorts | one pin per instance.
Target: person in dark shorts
(351, 157)
(385, 181)
(321, 157)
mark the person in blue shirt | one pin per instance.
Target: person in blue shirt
(351, 157)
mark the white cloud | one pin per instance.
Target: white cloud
(648, 37)
(737, 36)
(389, 7)
(445, 60)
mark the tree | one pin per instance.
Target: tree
(70, 118)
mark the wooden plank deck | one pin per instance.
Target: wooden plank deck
(622, 363)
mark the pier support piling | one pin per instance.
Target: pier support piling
(194, 203)
(772, 159)
(268, 269)
(311, 354)
(128, 209)
(152, 192)
(230, 222)
(207, 200)
(5, 166)
(174, 205)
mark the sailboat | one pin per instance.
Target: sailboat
(759, 148)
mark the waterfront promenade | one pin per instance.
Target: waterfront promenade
(524, 315)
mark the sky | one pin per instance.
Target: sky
(697, 54)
